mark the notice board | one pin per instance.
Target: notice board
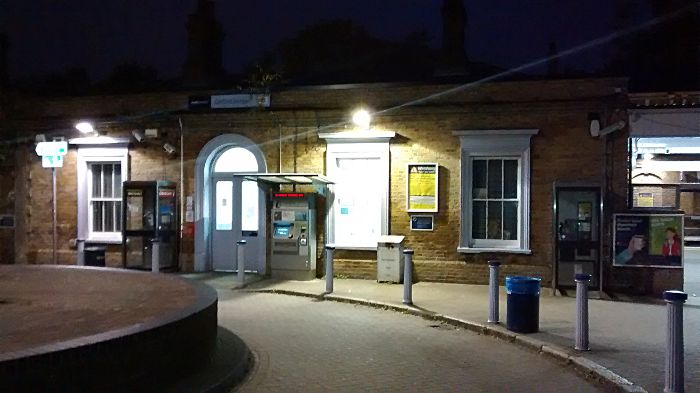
(422, 187)
(648, 240)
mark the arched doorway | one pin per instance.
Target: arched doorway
(227, 211)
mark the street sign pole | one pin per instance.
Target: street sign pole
(52, 157)
(53, 211)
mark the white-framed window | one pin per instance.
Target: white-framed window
(101, 172)
(358, 164)
(495, 214)
(495, 190)
(104, 198)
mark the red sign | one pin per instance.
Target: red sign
(166, 193)
(289, 195)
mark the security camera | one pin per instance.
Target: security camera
(613, 127)
(170, 149)
(138, 135)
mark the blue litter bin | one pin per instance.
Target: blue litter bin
(523, 314)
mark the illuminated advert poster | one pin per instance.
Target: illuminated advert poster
(648, 240)
(422, 188)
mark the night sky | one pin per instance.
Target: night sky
(51, 35)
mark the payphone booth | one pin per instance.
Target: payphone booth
(149, 217)
(293, 251)
(577, 216)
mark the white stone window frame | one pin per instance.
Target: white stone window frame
(86, 157)
(358, 144)
(513, 143)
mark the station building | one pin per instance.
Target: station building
(517, 166)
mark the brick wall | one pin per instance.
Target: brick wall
(562, 151)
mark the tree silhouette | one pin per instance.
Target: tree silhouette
(665, 56)
(130, 77)
(339, 51)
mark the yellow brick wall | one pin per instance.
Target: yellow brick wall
(424, 134)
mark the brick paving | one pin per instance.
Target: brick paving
(309, 346)
(44, 305)
(627, 338)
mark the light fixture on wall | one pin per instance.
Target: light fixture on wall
(611, 124)
(362, 119)
(594, 126)
(85, 127)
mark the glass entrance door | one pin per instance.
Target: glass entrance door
(236, 212)
(577, 215)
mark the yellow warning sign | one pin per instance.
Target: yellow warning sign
(423, 187)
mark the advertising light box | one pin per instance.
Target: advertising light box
(654, 240)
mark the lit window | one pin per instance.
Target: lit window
(236, 160)
(358, 164)
(358, 215)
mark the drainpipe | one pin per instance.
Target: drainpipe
(182, 190)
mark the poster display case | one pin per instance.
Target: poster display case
(648, 240)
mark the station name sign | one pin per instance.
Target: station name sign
(229, 101)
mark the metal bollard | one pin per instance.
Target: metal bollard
(329, 268)
(155, 255)
(675, 379)
(80, 243)
(240, 248)
(408, 276)
(493, 290)
(582, 343)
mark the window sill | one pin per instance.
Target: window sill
(355, 248)
(103, 241)
(477, 250)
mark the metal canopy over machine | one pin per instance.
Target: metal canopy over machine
(318, 181)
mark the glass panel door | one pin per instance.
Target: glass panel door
(224, 205)
(578, 233)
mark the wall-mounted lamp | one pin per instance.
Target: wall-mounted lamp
(170, 149)
(85, 127)
(596, 131)
(594, 126)
(362, 119)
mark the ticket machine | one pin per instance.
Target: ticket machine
(293, 254)
(149, 222)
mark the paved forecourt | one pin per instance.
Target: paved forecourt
(627, 338)
(304, 345)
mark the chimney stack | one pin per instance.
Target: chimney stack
(205, 38)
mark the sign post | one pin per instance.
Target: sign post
(51, 154)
